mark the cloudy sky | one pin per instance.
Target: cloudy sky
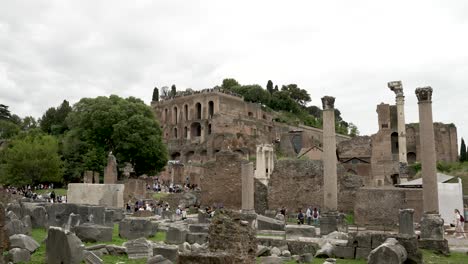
(55, 50)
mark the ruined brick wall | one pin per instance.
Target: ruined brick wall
(380, 206)
(260, 197)
(299, 184)
(221, 181)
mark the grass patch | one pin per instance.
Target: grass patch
(160, 195)
(38, 257)
(349, 218)
(60, 192)
(430, 257)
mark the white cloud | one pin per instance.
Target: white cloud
(55, 50)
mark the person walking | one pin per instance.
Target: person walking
(459, 225)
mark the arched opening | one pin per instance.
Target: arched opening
(175, 133)
(210, 109)
(395, 179)
(264, 116)
(175, 115)
(250, 114)
(189, 156)
(394, 140)
(175, 156)
(198, 110)
(186, 112)
(185, 132)
(411, 157)
(165, 115)
(209, 129)
(195, 130)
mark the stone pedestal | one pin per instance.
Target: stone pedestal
(328, 223)
(428, 152)
(406, 222)
(247, 187)
(432, 227)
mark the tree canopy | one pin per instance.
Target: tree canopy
(463, 151)
(53, 120)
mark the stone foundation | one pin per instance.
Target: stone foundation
(108, 195)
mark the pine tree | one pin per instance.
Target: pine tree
(270, 86)
(463, 150)
(155, 94)
(173, 90)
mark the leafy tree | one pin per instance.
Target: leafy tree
(155, 94)
(353, 130)
(173, 90)
(276, 88)
(8, 129)
(4, 112)
(16, 119)
(314, 111)
(282, 101)
(126, 127)
(229, 83)
(53, 121)
(463, 150)
(253, 93)
(28, 123)
(31, 158)
(299, 95)
(269, 87)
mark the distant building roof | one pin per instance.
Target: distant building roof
(417, 183)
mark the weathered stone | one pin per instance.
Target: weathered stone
(330, 261)
(336, 235)
(364, 239)
(158, 259)
(208, 258)
(203, 217)
(406, 222)
(115, 250)
(286, 253)
(63, 247)
(110, 172)
(93, 233)
(15, 209)
(440, 246)
(108, 195)
(59, 214)
(38, 214)
(24, 242)
(306, 258)
(176, 234)
(302, 247)
(275, 251)
(266, 223)
(328, 223)
(199, 238)
(133, 227)
(294, 231)
(170, 252)
(362, 253)
(326, 251)
(390, 252)
(344, 252)
(273, 259)
(432, 227)
(95, 247)
(410, 243)
(185, 247)
(262, 251)
(379, 238)
(16, 226)
(199, 228)
(118, 214)
(18, 255)
(197, 247)
(138, 248)
(91, 258)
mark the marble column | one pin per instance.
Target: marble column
(247, 187)
(330, 183)
(397, 88)
(260, 163)
(428, 154)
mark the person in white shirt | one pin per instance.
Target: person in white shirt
(459, 225)
(308, 215)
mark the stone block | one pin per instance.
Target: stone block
(266, 223)
(91, 258)
(302, 247)
(15, 208)
(63, 247)
(390, 252)
(344, 252)
(379, 238)
(158, 259)
(432, 227)
(362, 253)
(274, 259)
(93, 233)
(176, 234)
(118, 215)
(209, 258)
(170, 252)
(108, 195)
(410, 243)
(19, 255)
(200, 238)
(364, 239)
(115, 250)
(59, 214)
(16, 226)
(294, 231)
(38, 214)
(440, 246)
(203, 217)
(23, 242)
(199, 228)
(135, 227)
(138, 248)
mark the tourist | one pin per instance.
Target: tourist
(184, 213)
(308, 215)
(129, 209)
(52, 195)
(300, 218)
(315, 216)
(459, 225)
(283, 211)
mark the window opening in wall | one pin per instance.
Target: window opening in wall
(165, 115)
(175, 133)
(250, 114)
(209, 129)
(210, 109)
(186, 112)
(195, 129)
(185, 132)
(198, 109)
(175, 115)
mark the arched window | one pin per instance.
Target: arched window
(395, 179)
(186, 112)
(394, 140)
(165, 115)
(175, 156)
(209, 129)
(210, 109)
(411, 157)
(195, 130)
(175, 115)
(185, 132)
(175, 132)
(198, 110)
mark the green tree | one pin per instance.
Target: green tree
(299, 95)
(353, 130)
(155, 94)
(229, 83)
(53, 120)
(173, 90)
(4, 112)
(253, 93)
(463, 150)
(31, 158)
(8, 129)
(282, 101)
(269, 87)
(28, 122)
(126, 127)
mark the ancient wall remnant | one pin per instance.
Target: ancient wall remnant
(110, 195)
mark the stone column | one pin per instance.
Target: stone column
(406, 222)
(110, 172)
(428, 154)
(247, 187)
(397, 87)
(330, 188)
(260, 164)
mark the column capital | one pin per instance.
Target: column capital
(328, 102)
(396, 87)
(424, 94)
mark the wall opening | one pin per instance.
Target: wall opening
(411, 157)
(175, 133)
(198, 110)
(210, 109)
(195, 129)
(394, 140)
(186, 112)
(395, 179)
(175, 115)
(185, 132)
(175, 156)
(209, 129)
(165, 115)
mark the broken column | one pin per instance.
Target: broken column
(247, 187)
(88, 177)
(432, 230)
(397, 87)
(328, 222)
(406, 222)
(110, 172)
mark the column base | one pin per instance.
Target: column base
(432, 227)
(328, 223)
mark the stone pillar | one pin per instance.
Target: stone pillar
(110, 172)
(330, 183)
(247, 187)
(428, 154)
(406, 222)
(397, 87)
(88, 177)
(260, 164)
(96, 177)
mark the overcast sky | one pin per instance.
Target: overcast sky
(55, 50)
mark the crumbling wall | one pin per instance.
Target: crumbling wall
(260, 197)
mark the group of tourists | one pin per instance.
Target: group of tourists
(141, 205)
(310, 215)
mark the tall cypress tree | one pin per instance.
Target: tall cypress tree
(270, 86)
(463, 155)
